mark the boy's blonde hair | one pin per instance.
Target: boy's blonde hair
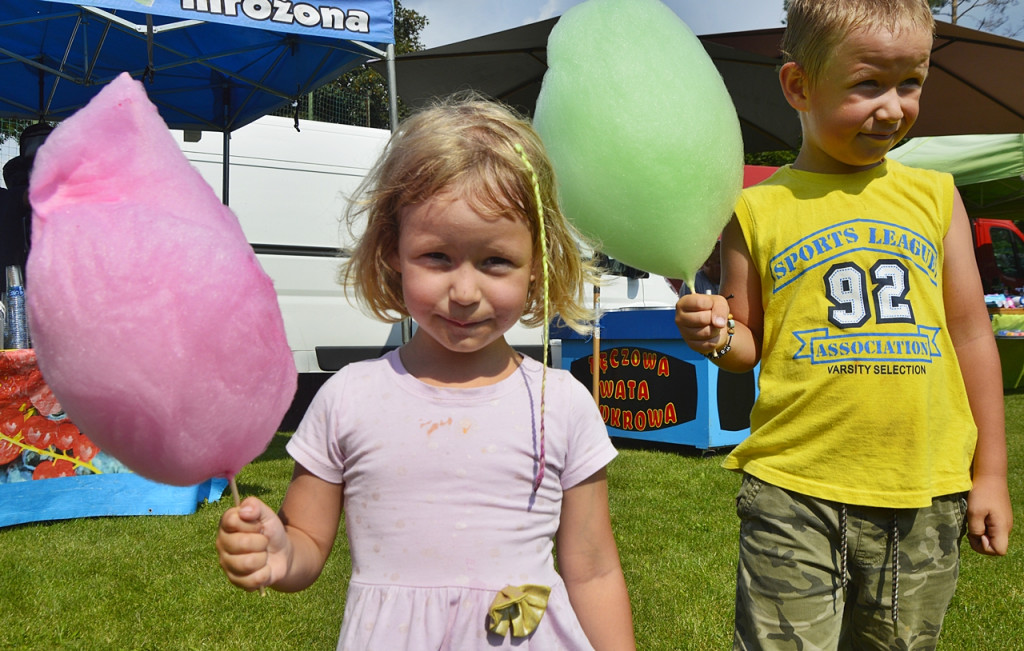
(465, 145)
(815, 28)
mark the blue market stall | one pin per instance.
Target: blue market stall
(652, 387)
(207, 66)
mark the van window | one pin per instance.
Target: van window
(613, 267)
(1008, 251)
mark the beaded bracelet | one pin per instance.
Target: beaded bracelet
(715, 354)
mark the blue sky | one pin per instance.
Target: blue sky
(457, 20)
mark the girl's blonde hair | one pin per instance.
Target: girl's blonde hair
(815, 28)
(465, 144)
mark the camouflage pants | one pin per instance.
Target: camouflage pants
(790, 593)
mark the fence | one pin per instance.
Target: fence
(341, 106)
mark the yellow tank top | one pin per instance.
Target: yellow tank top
(861, 397)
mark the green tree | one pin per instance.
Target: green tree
(360, 96)
(408, 25)
(771, 158)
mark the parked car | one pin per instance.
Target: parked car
(999, 249)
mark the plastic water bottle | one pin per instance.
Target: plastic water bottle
(16, 333)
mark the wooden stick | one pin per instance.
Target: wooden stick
(238, 501)
(234, 491)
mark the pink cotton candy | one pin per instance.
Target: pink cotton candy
(152, 320)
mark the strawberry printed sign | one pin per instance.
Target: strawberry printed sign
(38, 441)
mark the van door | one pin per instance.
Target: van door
(999, 249)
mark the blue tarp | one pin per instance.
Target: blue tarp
(213, 74)
(65, 498)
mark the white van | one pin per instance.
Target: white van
(289, 190)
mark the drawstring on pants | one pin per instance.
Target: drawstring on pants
(894, 536)
(842, 546)
(895, 533)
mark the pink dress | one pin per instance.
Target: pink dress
(439, 506)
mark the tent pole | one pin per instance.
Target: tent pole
(393, 110)
(226, 149)
(225, 168)
(392, 87)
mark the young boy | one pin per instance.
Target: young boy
(878, 437)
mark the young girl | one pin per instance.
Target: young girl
(459, 463)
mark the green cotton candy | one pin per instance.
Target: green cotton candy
(642, 134)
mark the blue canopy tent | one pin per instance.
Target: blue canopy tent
(208, 65)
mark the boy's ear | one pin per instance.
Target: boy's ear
(794, 82)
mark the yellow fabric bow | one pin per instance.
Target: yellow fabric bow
(519, 607)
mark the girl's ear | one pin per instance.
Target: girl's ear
(794, 82)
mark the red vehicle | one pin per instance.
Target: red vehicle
(999, 249)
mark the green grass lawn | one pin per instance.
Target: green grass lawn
(153, 582)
